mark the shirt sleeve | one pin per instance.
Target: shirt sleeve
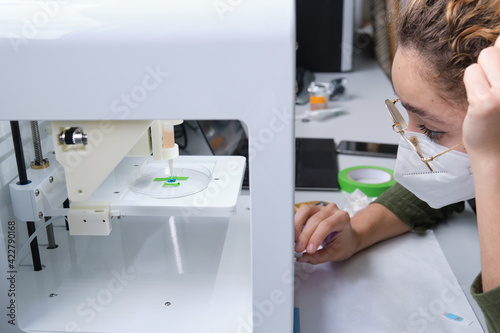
(413, 211)
(489, 302)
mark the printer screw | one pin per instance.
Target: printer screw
(51, 179)
(168, 303)
(37, 192)
(40, 215)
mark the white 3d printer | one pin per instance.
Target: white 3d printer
(139, 238)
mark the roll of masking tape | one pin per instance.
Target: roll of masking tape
(371, 180)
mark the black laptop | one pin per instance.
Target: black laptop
(316, 166)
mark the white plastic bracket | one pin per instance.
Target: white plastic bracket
(42, 196)
(89, 219)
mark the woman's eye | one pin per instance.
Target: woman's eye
(433, 135)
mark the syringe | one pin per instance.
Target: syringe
(168, 141)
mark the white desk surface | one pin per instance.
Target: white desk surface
(367, 120)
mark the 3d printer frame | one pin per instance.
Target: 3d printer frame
(129, 63)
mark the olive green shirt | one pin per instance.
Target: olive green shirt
(413, 211)
(489, 302)
(420, 216)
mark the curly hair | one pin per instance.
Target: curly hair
(448, 35)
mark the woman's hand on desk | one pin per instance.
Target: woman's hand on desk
(328, 226)
(340, 235)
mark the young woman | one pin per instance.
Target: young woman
(446, 73)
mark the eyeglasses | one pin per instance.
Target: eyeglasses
(399, 127)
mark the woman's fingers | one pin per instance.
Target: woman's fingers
(476, 84)
(313, 225)
(302, 215)
(319, 257)
(332, 223)
(482, 82)
(489, 60)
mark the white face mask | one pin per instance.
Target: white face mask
(450, 182)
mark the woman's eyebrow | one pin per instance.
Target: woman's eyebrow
(422, 113)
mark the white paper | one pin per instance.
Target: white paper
(400, 285)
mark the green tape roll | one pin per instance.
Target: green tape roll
(371, 180)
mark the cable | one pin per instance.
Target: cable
(28, 242)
